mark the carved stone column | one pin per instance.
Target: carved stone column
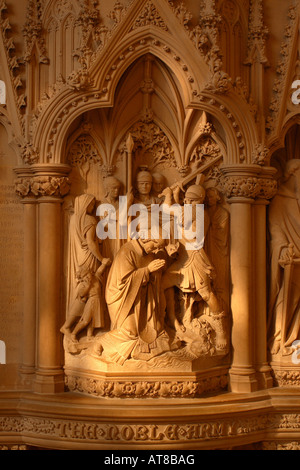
(43, 191)
(49, 185)
(268, 189)
(23, 189)
(243, 185)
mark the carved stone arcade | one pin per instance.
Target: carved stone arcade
(163, 102)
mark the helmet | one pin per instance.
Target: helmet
(144, 176)
(195, 192)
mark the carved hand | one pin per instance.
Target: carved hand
(156, 265)
(287, 255)
(167, 193)
(106, 261)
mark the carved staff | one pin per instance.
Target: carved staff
(129, 146)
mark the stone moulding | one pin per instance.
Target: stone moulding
(131, 386)
(237, 421)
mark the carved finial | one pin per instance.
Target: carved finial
(208, 7)
(257, 34)
(32, 33)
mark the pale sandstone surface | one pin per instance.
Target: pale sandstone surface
(121, 342)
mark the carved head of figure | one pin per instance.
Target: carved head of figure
(195, 194)
(144, 183)
(112, 187)
(212, 196)
(153, 246)
(152, 243)
(84, 204)
(158, 183)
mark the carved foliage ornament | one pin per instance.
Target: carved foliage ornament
(283, 68)
(205, 37)
(258, 33)
(12, 60)
(33, 33)
(84, 150)
(159, 389)
(29, 154)
(149, 138)
(205, 150)
(248, 187)
(150, 16)
(42, 186)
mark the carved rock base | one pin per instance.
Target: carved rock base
(176, 371)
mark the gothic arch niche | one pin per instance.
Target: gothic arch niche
(284, 253)
(167, 137)
(289, 150)
(233, 36)
(148, 129)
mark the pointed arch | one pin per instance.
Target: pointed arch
(192, 77)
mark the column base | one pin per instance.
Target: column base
(49, 382)
(243, 380)
(264, 377)
(27, 374)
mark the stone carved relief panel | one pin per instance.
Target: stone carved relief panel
(284, 255)
(283, 314)
(145, 305)
(134, 307)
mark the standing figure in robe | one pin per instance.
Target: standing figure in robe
(84, 255)
(113, 188)
(284, 228)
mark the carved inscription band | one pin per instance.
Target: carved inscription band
(140, 434)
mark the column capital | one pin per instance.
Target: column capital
(247, 183)
(42, 180)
